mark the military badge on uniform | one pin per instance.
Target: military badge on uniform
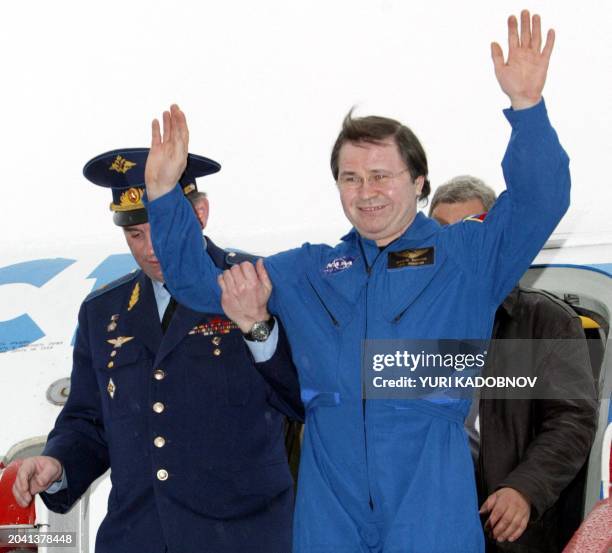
(112, 326)
(123, 170)
(339, 264)
(121, 165)
(411, 258)
(130, 199)
(116, 343)
(216, 325)
(119, 341)
(134, 297)
(110, 388)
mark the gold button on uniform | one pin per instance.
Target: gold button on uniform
(110, 365)
(159, 407)
(159, 374)
(162, 474)
(159, 442)
(216, 340)
(113, 353)
(217, 352)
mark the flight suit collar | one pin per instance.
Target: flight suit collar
(421, 228)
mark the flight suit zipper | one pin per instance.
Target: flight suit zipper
(368, 269)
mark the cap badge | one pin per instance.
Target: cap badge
(131, 197)
(121, 165)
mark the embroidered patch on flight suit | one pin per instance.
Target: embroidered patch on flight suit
(410, 258)
(476, 218)
(216, 325)
(338, 264)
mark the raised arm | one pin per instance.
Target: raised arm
(189, 273)
(168, 154)
(523, 75)
(535, 166)
(246, 290)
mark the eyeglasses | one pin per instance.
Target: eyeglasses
(378, 179)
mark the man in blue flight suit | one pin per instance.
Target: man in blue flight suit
(168, 399)
(390, 476)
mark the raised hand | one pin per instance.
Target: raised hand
(35, 475)
(245, 292)
(523, 76)
(168, 155)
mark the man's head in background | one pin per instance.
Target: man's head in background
(461, 197)
(199, 202)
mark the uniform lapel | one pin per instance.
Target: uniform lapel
(182, 322)
(142, 318)
(184, 318)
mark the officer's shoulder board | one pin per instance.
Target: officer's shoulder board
(476, 218)
(112, 285)
(235, 257)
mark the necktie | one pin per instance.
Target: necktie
(168, 313)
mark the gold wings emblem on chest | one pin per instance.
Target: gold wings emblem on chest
(119, 341)
(413, 254)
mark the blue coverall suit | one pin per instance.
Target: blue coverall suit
(191, 431)
(389, 476)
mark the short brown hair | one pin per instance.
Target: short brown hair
(374, 129)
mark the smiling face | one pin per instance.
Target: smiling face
(138, 238)
(379, 212)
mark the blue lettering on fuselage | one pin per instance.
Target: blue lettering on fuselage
(22, 330)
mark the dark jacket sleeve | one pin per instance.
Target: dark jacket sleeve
(78, 440)
(566, 421)
(281, 375)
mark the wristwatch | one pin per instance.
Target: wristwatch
(260, 331)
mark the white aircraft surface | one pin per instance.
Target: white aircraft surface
(265, 87)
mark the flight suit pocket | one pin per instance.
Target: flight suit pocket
(418, 285)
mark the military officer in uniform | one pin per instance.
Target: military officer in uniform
(169, 399)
